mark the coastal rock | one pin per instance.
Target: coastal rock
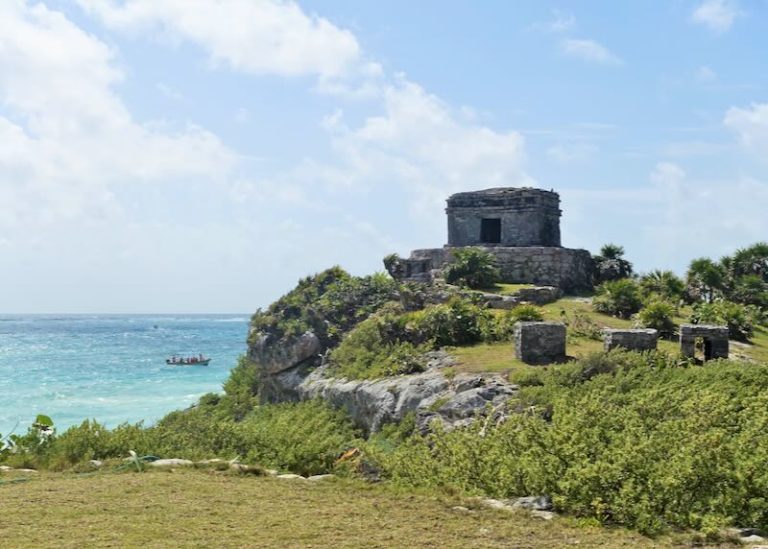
(317, 478)
(290, 476)
(171, 462)
(373, 403)
(274, 357)
(534, 503)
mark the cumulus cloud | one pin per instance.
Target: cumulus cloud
(751, 125)
(716, 15)
(423, 144)
(256, 36)
(66, 135)
(590, 51)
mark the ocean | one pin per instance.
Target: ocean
(110, 367)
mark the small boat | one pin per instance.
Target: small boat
(188, 361)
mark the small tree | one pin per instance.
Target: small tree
(618, 298)
(611, 265)
(473, 268)
(658, 315)
(704, 279)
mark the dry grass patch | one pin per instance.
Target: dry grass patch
(206, 509)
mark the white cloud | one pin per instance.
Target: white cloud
(668, 174)
(561, 21)
(67, 138)
(751, 125)
(591, 51)
(717, 15)
(257, 36)
(705, 74)
(421, 143)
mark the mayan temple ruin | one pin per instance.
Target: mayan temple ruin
(519, 226)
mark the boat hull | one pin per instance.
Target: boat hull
(198, 363)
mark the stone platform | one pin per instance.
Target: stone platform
(566, 268)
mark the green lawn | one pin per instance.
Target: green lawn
(499, 357)
(195, 508)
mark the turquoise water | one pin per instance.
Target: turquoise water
(111, 368)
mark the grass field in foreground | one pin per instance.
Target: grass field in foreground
(195, 508)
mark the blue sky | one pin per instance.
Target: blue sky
(202, 155)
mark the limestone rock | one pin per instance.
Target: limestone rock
(290, 476)
(171, 462)
(317, 478)
(276, 356)
(534, 503)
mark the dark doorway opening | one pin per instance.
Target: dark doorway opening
(490, 231)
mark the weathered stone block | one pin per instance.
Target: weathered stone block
(715, 340)
(633, 340)
(540, 342)
(539, 295)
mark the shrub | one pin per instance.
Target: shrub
(618, 298)
(378, 347)
(458, 322)
(473, 268)
(526, 312)
(738, 318)
(605, 446)
(658, 315)
(329, 303)
(502, 327)
(581, 325)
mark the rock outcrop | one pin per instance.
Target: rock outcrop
(433, 396)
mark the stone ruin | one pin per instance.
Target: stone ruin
(632, 340)
(520, 227)
(715, 340)
(540, 342)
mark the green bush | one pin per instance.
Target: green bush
(603, 444)
(329, 304)
(392, 342)
(458, 322)
(378, 347)
(619, 298)
(738, 318)
(658, 315)
(473, 268)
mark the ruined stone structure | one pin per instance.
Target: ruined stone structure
(715, 340)
(504, 217)
(632, 340)
(519, 226)
(540, 342)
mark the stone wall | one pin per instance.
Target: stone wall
(527, 217)
(715, 340)
(540, 342)
(633, 340)
(568, 269)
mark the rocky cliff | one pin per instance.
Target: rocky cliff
(293, 369)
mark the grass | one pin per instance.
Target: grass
(508, 289)
(499, 357)
(196, 508)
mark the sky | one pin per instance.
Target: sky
(203, 155)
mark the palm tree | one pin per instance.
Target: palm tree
(664, 283)
(705, 278)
